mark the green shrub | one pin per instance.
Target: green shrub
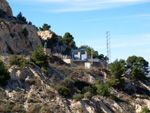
(63, 91)
(4, 74)
(18, 60)
(145, 110)
(78, 97)
(81, 84)
(25, 32)
(88, 89)
(102, 90)
(68, 82)
(44, 70)
(39, 57)
(88, 95)
(116, 83)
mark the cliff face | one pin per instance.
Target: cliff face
(15, 37)
(14, 40)
(5, 7)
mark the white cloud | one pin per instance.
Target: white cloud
(87, 5)
(147, 16)
(79, 5)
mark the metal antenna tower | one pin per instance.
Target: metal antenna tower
(108, 44)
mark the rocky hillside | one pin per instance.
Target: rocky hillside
(16, 37)
(37, 83)
(30, 90)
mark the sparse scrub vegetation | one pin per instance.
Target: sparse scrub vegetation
(25, 32)
(44, 70)
(88, 95)
(68, 82)
(102, 89)
(18, 60)
(78, 97)
(88, 89)
(63, 91)
(145, 110)
(81, 84)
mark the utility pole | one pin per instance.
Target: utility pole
(108, 46)
(91, 56)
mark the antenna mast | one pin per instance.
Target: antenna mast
(108, 45)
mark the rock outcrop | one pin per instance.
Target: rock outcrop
(14, 40)
(5, 7)
(45, 34)
(16, 37)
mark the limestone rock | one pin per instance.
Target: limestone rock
(45, 34)
(5, 7)
(18, 74)
(13, 40)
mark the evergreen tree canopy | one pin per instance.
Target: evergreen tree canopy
(139, 62)
(21, 18)
(116, 68)
(68, 39)
(39, 57)
(102, 57)
(137, 73)
(4, 74)
(45, 27)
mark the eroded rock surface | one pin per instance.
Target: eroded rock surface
(5, 7)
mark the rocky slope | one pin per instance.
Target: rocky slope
(31, 91)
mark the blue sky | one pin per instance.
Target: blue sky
(88, 20)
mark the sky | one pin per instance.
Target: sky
(88, 20)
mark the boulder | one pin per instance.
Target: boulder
(5, 7)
